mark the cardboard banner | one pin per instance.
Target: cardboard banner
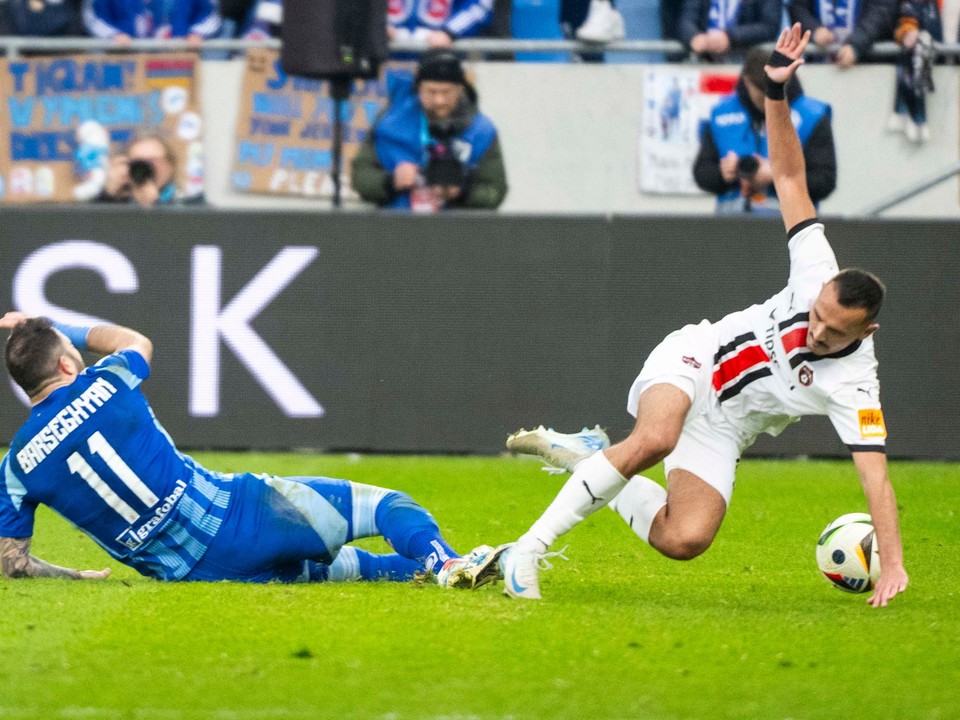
(61, 117)
(284, 136)
(676, 101)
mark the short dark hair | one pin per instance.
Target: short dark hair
(753, 70)
(858, 288)
(32, 353)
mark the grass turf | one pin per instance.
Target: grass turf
(747, 631)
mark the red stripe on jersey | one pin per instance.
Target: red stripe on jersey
(747, 359)
(794, 339)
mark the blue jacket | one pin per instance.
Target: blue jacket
(732, 129)
(151, 18)
(458, 18)
(398, 135)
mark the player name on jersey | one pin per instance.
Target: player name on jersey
(64, 422)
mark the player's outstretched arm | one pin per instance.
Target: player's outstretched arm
(882, 501)
(101, 339)
(786, 152)
(17, 562)
(108, 339)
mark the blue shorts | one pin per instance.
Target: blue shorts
(274, 525)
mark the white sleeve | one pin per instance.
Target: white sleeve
(857, 416)
(812, 261)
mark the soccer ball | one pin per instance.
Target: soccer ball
(847, 553)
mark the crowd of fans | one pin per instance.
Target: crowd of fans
(453, 159)
(709, 29)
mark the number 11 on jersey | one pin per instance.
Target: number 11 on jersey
(98, 445)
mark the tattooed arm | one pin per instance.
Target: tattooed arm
(17, 562)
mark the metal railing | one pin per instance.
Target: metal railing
(911, 191)
(14, 46)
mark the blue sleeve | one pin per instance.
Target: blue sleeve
(16, 516)
(98, 19)
(129, 365)
(468, 17)
(205, 19)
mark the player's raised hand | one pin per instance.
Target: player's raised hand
(13, 318)
(793, 41)
(892, 582)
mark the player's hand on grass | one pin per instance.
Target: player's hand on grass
(13, 318)
(793, 41)
(893, 581)
(94, 574)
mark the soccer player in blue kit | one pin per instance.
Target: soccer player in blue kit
(93, 451)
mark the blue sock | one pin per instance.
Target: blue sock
(387, 567)
(354, 564)
(412, 531)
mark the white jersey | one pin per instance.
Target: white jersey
(764, 377)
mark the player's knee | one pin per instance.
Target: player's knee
(685, 544)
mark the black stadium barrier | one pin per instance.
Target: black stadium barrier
(386, 332)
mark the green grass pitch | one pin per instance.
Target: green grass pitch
(749, 630)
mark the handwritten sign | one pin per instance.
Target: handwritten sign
(676, 101)
(61, 116)
(284, 135)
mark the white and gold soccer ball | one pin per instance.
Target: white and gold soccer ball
(847, 553)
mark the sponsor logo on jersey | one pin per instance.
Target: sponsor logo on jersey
(434, 12)
(871, 423)
(133, 538)
(399, 10)
(805, 375)
(730, 118)
(691, 361)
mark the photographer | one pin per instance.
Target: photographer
(144, 174)
(733, 160)
(431, 148)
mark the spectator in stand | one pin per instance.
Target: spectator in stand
(124, 20)
(263, 20)
(733, 160)
(591, 20)
(437, 22)
(854, 25)
(41, 18)
(144, 174)
(431, 148)
(722, 30)
(918, 27)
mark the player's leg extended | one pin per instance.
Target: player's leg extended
(661, 412)
(372, 511)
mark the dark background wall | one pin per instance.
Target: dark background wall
(444, 334)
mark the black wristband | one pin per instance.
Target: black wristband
(775, 90)
(778, 59)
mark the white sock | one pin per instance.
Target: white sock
(594, 483)
(638, 504)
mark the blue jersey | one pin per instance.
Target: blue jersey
(95, 453)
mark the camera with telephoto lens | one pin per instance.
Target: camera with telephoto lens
(141, 172)
(747, 167)
(444, 168)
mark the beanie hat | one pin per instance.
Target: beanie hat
(441, 66)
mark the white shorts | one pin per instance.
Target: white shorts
(708, 447)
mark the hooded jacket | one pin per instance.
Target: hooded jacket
(736, 124)
(401, 133)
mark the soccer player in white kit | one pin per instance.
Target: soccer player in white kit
(708, 390)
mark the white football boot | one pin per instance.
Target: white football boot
(561, 451)
(520, 570)
(603, 24)
(477, 568)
